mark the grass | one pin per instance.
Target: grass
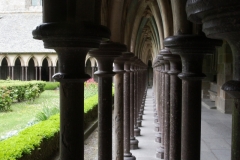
(22, 114)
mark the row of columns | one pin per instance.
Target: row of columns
(130, 88)
(177, 92)
(24, 73)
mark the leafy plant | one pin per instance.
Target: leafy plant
(46, 113)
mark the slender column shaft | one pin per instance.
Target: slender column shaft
(22, 73)
(36, 73)
(135, 96)
(167, 112)
(133, 140)
(126, 110)
(105, 56)
(26, 73)
(40, 73)
(105, 118)
(50, 73)
(12, 73)
(118, 115)
(175, 106)
(191, 76)
(71, 103)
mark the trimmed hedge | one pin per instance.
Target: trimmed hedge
(31, 139)
(51, 85)
(41, 140)
(12, 91)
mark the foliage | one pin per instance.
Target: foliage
(46, 113)
(12, 91)
(90, 88)
(5, 99)
(51, 85)
(22, 114)
(29, 139)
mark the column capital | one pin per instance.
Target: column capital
(105, 56)
(220, 19)
(119, 63)
(62, 35)
(192, 49)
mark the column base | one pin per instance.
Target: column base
(137, 131)
(140, 116)
(157, 128)
(141, 111)
(129, 156)
(155, 119)
(139, 123)
(160, 153)
(158, 137)
(133, 143)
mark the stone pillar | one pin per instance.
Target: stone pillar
(192, 50)
(126, 110)
(160, 149)
(157, 99)
(26, 73)
(224, 24)
(118, 106)
(40, 73)
(93, 70)
(22, 73)
(12, 77)
(72, 39)
(36, 73)
(165, 52)
(105, 56)
(134, 68)
(50, 73)
(175, 106)
(133, 140)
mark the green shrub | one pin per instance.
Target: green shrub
(46, 113)
(5, 99)
(29, 139)
(51, 85)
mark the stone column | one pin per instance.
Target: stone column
(224, 24)
(118, 106)
(133, 140)
(36, 73)
(160, 149)
(135, 93)
(175, 106)
(12, 73)
(105, 56)
(165, 52)
(50, 73)
(71, 39)
(22, 73)
(126, 110)
(40, 73)
(26, 73)
(191, 76)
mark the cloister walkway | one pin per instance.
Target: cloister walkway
(215, 136)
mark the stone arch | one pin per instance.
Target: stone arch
(18, 63)
(34, 60)
(5, 70)
(31, 69)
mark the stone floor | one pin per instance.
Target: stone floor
(215, 139)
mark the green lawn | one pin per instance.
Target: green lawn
(24, 112)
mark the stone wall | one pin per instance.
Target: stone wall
(224, 102)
